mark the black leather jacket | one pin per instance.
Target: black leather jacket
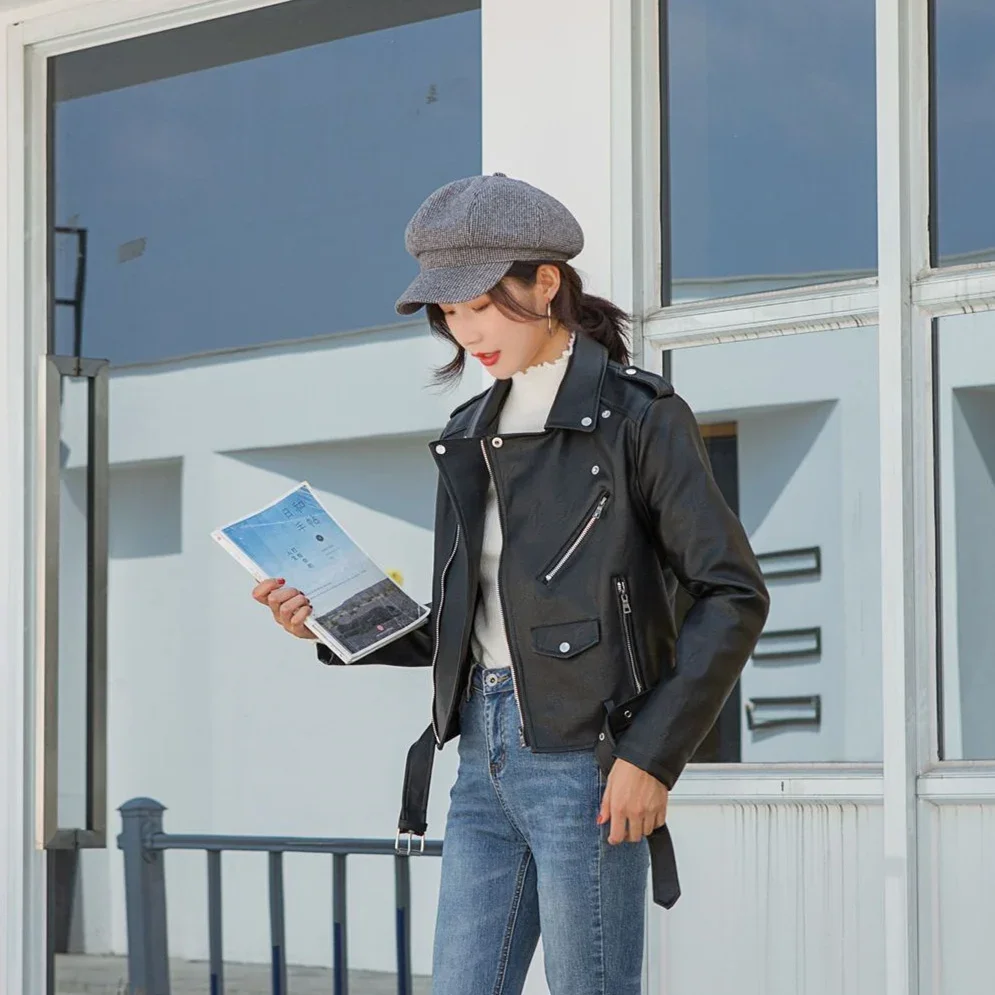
(602, 514)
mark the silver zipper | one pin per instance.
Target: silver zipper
(514, 679)
(575, 545)
(438, 627)
(626, 607)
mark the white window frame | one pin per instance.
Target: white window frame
(902, 301)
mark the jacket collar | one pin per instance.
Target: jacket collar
(576, 403)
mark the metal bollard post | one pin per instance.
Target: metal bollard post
(402, 904)
(214, 922)
(145, 898)
(340, 945)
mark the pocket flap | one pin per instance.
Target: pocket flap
(566, 639)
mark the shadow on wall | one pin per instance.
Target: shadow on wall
(789, 433)
(145, 509)
(974, 500)
(386, 475)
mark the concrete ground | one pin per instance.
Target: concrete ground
(98, 975)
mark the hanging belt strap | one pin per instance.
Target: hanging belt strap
(413, 821)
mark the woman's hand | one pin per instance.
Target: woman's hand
(289, 607)
(634, 802)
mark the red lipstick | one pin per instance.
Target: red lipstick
(487, 358)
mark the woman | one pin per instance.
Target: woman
(574, 494)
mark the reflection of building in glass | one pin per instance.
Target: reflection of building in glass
(369, 615)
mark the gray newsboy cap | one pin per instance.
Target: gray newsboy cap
(467, 234)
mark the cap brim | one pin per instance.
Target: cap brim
(450, 285)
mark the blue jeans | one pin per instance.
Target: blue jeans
(523, 854)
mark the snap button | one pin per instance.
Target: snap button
(606, 413)
(564, 647)
(601, 735)
(585, 421)
(631, 370)
(595, 469)
(440, 449)
(628, 714)
(491, 679)
(497, 442)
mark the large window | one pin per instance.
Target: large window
(237, 183)
(248, 179)
(963, 222)
(770, 124)
(791, 428)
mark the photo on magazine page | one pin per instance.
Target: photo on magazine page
(356, 606)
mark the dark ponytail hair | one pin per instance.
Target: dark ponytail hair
(582, 313)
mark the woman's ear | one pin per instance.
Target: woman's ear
(548, 282)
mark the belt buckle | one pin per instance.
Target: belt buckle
(400, 848)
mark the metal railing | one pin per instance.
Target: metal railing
(144, 843)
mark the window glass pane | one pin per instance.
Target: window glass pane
(964, 122)
(791, 428)
(965, 449)
(248, 180)
(772, 144)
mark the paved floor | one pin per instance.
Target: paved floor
(92, 975)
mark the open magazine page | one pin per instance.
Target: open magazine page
(356, 606)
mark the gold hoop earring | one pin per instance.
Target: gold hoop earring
(549, 317)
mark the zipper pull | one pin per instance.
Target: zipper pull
(624, 595)
(601, 507)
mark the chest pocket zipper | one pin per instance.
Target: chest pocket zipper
(562, 559)
(625, 610)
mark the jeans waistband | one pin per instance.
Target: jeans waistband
(489, 680)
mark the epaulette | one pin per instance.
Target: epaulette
(466, 404)
(660, 386)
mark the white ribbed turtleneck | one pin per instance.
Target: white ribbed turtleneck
(525, 409)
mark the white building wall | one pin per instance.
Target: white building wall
(215, 711)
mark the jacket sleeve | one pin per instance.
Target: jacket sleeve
(707, 548)
(412, 650)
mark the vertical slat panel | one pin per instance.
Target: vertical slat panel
(959, 917)
(792, 889)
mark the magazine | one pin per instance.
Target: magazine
(356, 607)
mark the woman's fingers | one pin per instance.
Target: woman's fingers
(288, 606)
(278, 598)
(300, 616)
(265, 588)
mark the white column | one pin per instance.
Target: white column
(901, 252)
(547, 100)
(557, 113)
(13, 843)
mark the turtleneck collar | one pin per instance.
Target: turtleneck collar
(548, 371)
